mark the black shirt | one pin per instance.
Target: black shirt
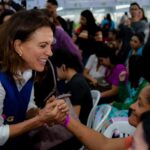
(80, 95)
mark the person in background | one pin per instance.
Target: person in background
(128, 92)
(113, 36)
(87, 34)
(141, 137)
(52, 6)
(10, 3)
(25, 47)
(70, 25)
(24, 3)
(143, 18)
(124, 19)
(93, 71)
(137, 44)
(142, 15)
(134, 11)
(109, 60)
(6, 14)
(1, 8)
(123, 43)
(107, 25)
(137, 24)
(68, 67)
(62, 40)
(96, 141)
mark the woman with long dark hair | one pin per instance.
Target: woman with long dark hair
(87, 34)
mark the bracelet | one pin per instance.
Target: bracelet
(67, 120)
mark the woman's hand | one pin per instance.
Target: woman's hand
(55, 111)
(94, 82)
(64, 110)
(122, 76)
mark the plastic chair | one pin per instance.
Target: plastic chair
(96, 97)
(100, 118)
(96, 118)
(123, 128)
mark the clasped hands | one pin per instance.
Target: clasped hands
(54, 112)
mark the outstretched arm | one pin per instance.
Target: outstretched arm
(94, 140)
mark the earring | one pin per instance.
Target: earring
(20, 53)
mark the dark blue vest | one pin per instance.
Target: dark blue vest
(15, 102)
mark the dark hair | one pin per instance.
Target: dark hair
(138, 68)
(54, 2)
(115, 33)
(64, 56)
(46, 12)
(145, 118)
(102, 50)
(126, 13)
(146, 57)
(98, 47)
(88, 15)
(20, 26)
(108, 17)
(135, 3)
(146, 51)
(50, 15)
(91, 25)
(6, 12)
(140, 36)
(2, 3)
(135, 69)
(144, 17)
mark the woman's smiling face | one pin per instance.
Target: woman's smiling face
(36, 50)
(139, 107)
